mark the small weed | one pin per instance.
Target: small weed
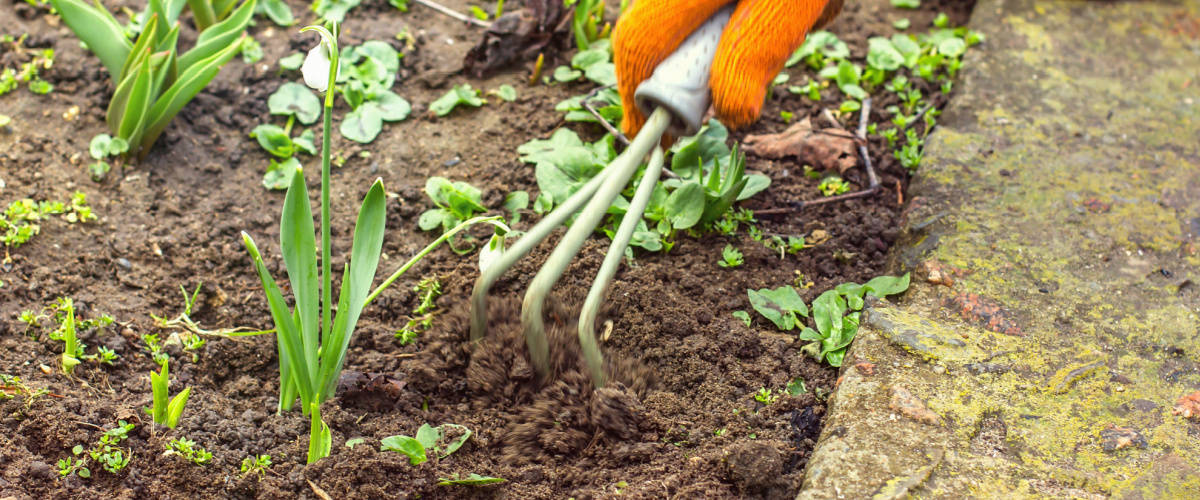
(34, 60)
(743, 316)
(796, 387)
(731, 257)
(21, 221)
(426, 440)
(77, 466)
(429, 289)
(766, 396)
(460, 95)
(833, 185)
(187, 449)
(11, 387)
(256, 465)
(162, 412)
(454, 203)
(154, 347)
(107, 451)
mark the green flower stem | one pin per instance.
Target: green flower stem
(326, 146)
(622, 169)
(612, 261)
(416, 258)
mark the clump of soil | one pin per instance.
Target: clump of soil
(678, 420)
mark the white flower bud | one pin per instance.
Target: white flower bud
(316, 67)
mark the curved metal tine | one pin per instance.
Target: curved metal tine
(522, 247)
(612, 261)
(622, 169)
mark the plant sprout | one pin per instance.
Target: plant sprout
(153, 81)
(164, 413)
(312, 344)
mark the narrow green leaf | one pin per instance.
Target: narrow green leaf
(97, 28)
(159, 383)
(189, 83)
(133, 121)
(406, 445)
(222, 7)
(175, 409)
(298, 241)
(145, 42)
(219, 37)
(285, 328)
(356, 284)
(320, 440)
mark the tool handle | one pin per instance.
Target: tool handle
(680, 82)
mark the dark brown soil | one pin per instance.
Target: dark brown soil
(679, 421)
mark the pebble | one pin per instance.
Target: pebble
(123, 262)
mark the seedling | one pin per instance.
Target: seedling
(187, 449)
(21, 221)
(781, 306)
(312, 345)
(105, 452)
(365, 79)
(320, 439)
(193, 330)
(834, 328)
(162, 412)
(743, 316)
(796, 387)
(588, 16)
(765, 396)
(154, 347)
(153, 82)
(471, 479)
(34, 59)
(460, 95)
(11, 387)
(833, 185)
(426, 440)
(77, 466)
(731, 257)
(429, 290)
(256, 465)
(455, 202)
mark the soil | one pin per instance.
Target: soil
(679, 419)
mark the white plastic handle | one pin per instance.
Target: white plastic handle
(680, 82)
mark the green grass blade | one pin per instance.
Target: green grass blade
(133, 120)
(285, 327)
(189, 83)
(173, 8)
(219, 36)
(320, 440)
(159, 383)
(222, 7)
(356, 284)
(169, 39)
(71, 342)
(120, 99)
(163, 63)
(156, 9)
(175, 409)
(287, 385)
(297, 238)
(97, 28)
(202, 13)
(144, 42)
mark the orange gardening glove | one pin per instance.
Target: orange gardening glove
(760, 37)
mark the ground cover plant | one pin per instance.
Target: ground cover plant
(176, 219)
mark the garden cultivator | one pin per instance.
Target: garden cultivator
(675, 98)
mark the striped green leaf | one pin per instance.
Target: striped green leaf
(97, 28)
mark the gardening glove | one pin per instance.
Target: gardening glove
(758, 40)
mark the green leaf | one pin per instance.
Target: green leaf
(189, 83)
(883, 286)
(97, 28)
(906, 4)
(363, 124)
(98, 148)
(901, 24)
(432, 219)
(219, 37)
(602, 73)
(295, 99)
(175, 409)
(356, 284)
(685, 205)
(392, 107)
(459, 95)
(279, 12)
(563, 138)
(438, 189)
(471, 480)
(909, 48)
(464, 435)
(335, 10)
(383, 53)
(779, 305)
(755, 184)
(159, 383)
(952, 47)
(279, 174)
(133, 120)
(293, 61)
(883, 54)
(507, 93)
(827, 313)
(290, 344)
(742, 315)
(297, 240)
(320, 439)
(406, 445)
(273, 139)
(251, 51)
(824, 42)
(305, 142)
(514, 201)
(566, 74)
(428, 435)
(543, 204)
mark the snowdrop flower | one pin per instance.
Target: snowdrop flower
(320, 61)
(492, 251)
(316, 67)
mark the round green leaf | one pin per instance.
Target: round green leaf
(363, 124)
(279, 175)
(98, 148)
(295, 99)
(382, 52)
(686, 205)
(392, 107)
